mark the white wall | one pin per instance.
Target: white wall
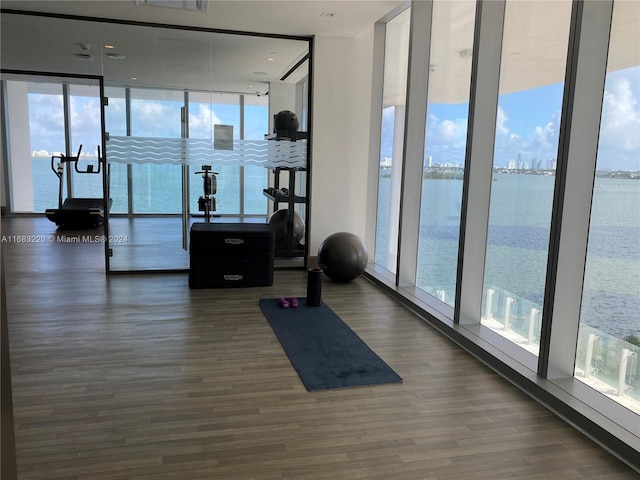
(341, 123)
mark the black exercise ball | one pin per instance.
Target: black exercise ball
(279, 222)
(286, 120)
(343, 256)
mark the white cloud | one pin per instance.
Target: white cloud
(446, 139)
(201, 122)
(85, 123)
(546, 138)
(620, 126)
(501, 122)
(447, 131)
(539, 141)
(158, 119)
(46, 122)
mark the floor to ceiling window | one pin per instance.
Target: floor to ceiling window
(533, 194)
(445, 146)
(392, 133)
(85, 126)
(156, 113)
(256, 125)
(206, 111)
(47, 135)
(608, 353)
(50, 117)
(526, 145)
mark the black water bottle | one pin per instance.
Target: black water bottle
(314, 287)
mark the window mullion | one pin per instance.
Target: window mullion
(584, 90)
(413, 150)
(483, 106)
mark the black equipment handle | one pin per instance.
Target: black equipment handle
(89, 167)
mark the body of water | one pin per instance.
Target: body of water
(518, 236)
(518, 241)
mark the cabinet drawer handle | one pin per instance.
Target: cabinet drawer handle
(233, 278)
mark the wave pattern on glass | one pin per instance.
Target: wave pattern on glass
(197, 151)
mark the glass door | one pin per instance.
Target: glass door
(147, 231)
(54, 139)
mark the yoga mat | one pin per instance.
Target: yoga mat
(325, 352)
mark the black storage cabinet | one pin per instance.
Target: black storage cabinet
(231, 255)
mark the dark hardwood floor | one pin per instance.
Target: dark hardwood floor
(139, 377)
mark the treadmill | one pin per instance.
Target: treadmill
(77, 213)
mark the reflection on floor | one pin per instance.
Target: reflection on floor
(147, 243)
(155, 243)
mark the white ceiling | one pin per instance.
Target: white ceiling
(284, 17)
(190, 59)
(220, 62)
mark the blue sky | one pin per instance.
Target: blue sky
(528, 123)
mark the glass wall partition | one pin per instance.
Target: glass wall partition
(116, 123)
(396, 59)
(256, 122)
(85, 127)
(525, 150)
(445, 146)
(151, 236)
(165, 85)
(212, 115)
(157, 186)
(608, 351)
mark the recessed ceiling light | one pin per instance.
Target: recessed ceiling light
(134, 78)
(109, 46)
(270, 59)
(84, 56)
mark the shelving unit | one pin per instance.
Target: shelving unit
(291, 248)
